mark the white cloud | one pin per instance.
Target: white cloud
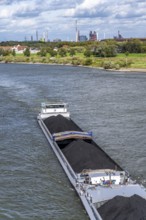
(58, 16)
(8, 11)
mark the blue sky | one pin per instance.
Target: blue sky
(21, 18)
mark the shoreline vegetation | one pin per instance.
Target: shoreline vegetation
(142, 70)
(109, 55)
(138, 64)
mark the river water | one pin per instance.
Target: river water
(111, 104)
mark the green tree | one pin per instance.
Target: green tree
(43, 52)
(4, 52)
(62, 52)
(27, 52)
(132, 46)
(126, 54)
(1, 52)
(51, 51)
(13, 53)
(105, 49)
(110, 51)
(72, 52)
(87, 53)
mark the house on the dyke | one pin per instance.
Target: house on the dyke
(18, 48)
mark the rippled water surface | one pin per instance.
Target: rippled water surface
(111, 104)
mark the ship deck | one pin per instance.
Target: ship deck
(83, 160)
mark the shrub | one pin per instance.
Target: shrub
(72, 52)
(87, 53)
(124, 63)
(87, 62)
(108, 65)
(76, 61)
(43, 60)
(62, 52)
(43, 52)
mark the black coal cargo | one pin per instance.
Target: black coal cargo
(59, 124)
(120, 208)
(82, 155)
(79, 153)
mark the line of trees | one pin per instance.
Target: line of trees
(107, 48)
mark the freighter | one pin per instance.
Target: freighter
(106, 191)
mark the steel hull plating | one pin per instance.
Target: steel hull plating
(90, 209)
(100, 188)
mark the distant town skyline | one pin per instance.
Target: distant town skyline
(56, 19)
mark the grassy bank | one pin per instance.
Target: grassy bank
(137, 60)
(131, 61)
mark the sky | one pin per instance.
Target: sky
(20, 19)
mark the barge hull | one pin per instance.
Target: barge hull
(97, 179)
(90, 209)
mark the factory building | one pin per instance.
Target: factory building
(82, 38)
(92, 36)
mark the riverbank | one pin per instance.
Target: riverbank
(101, 68)
(132, 63)
(133, 70)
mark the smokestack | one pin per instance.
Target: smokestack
(46, 40)
(37, 36)
(77, 32)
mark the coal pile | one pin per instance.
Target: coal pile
(59, 124)
(124, 208)
(82, 155)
